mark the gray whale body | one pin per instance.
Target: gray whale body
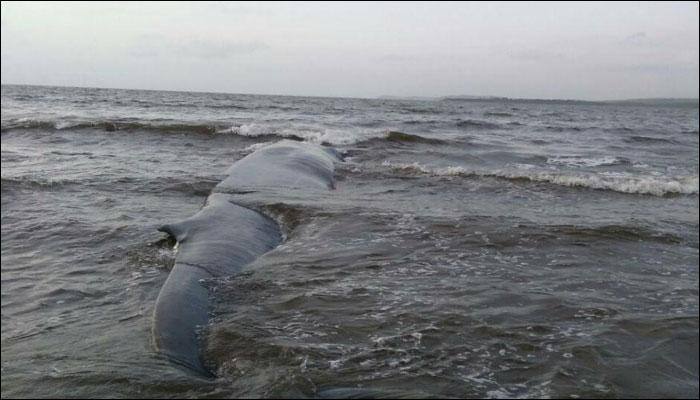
(223, 237)
(285, 164)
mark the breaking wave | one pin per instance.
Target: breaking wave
(106, 125)
(326, 136)
(254, 130)
(656, 185)
(300, 133)
(578, 161)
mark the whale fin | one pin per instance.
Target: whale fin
(177, 230)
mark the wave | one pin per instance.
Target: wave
(299, 133)
(257, 146)
(228, 107)
(326, 136)
(647, 134)
(623, 131)
(416, 167)
(252, 130)
(401, 138)
(421, 122)
(109, 126)
(34, 182)
(647, 139)
(396, 136)
(309, 133)
(578, 161)
(286, 216)
(651, 185)
(261, 130)
(416, 110)
(556, 128)
(622, 232)
(266, 131)
(201, 187)
(27, 124)
(497, 114)
(476, 124)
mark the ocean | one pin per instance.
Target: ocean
(471, 247)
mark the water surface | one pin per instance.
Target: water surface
(470, 248)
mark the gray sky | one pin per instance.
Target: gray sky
(541, 50)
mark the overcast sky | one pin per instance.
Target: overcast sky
(542, 50)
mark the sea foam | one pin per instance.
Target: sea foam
(623, 183)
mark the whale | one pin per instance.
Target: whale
(286, 164)
(224, 236)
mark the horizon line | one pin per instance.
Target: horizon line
(464, 97)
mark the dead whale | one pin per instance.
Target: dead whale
(223, 237)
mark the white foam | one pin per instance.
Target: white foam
(578, 161)
(619, 182)
(257, 146)
(59, 125)
(250, 130)
(309, 133)
(657, 186)
(417, 167)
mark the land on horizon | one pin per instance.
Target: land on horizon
(641, 101)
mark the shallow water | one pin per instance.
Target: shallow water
(470, 248)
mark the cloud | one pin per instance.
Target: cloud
(536, 55)
(237, 8)
(649, 68)
(217, 49)
(401, 58)
(658, 68)
(157, 45)
(638, 39)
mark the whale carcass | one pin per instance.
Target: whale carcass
(223, 237)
